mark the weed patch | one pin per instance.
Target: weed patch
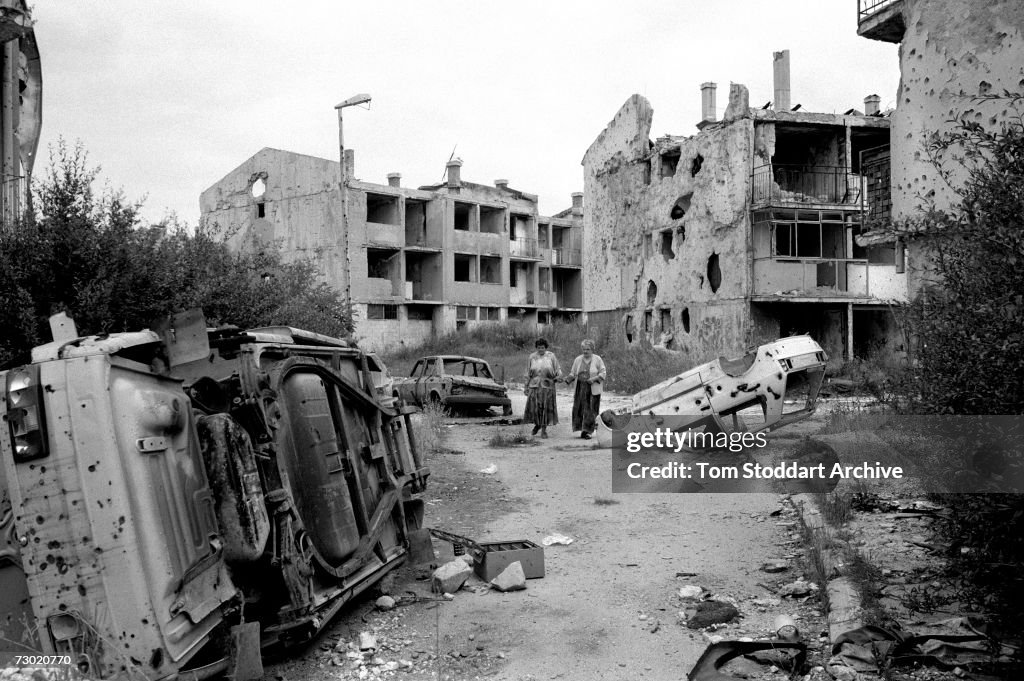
(516, 439)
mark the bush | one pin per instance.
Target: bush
(93, 258)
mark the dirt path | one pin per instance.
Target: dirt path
(607, 606)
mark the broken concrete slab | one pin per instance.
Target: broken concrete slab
(450, 577)
(511, 578)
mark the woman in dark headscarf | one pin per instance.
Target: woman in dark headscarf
(541, 375)
(589, 372)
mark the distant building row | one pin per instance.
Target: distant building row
(416, 262)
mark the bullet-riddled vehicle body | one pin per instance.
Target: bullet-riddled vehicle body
(781, 378)
(163, 493)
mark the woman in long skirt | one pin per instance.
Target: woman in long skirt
(589, 372)
(541, 375)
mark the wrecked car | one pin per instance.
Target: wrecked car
(173, 500)
(781, 379)
(453, 382)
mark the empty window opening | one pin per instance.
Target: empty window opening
(465, 267)
(542, 236)
(415, 223)
(628, 328)
(382, 311)
(383, 209)
(669, 163)
(652, 292)
(801, 240)
(684, 317)
(513, 275)
(492, 220)
(420, 313)
(680, 207)
(490, 270)
(666, 320)
(261, 210)
(379, 263)
(647, 171)
(714, 273)
(490, 314)
(466, 313)
(518, 227)
(648, 321)
(463, 216)
(543, 318)
(544, 278)
(698, 161)
(259, 188)
(666, 245)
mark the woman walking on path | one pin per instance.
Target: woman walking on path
(541, 375)
(589, 372)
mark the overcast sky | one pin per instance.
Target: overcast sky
(168, 97)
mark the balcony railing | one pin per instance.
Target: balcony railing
(524, 248)
(566, 256)
(791, 185)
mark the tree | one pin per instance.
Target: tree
(93, 257)
(970, 324)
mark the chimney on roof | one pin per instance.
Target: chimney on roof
(781, 73)
(707, 102)
(501, 184)
(577, 203)
(871, 105)
(455, 173)
(394, 179)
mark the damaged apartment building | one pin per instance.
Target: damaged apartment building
(415, 262)
(744, 232)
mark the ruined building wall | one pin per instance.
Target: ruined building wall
(951, 50)
(666, 233)
(301, 210)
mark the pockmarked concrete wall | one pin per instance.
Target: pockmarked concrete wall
(952, 50)
(666, 230)
(302, 210)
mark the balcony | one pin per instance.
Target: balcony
(566, 257)
(524, 248)
(812, 277)
(881, 20)
(790, 185)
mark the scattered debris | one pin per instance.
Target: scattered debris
(490, 470)
(706, 613)
(367, 641)
(450, 577)
(774, 566)
(511, 578)
(553, 539)
(690, 592)
(798, 588)
(385, 603)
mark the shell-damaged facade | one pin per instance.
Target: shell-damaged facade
(742, 233)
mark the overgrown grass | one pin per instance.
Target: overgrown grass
(429, 429)
(507, 346)
(516, 439)
(836, 508)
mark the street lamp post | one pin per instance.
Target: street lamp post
(351, 101)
